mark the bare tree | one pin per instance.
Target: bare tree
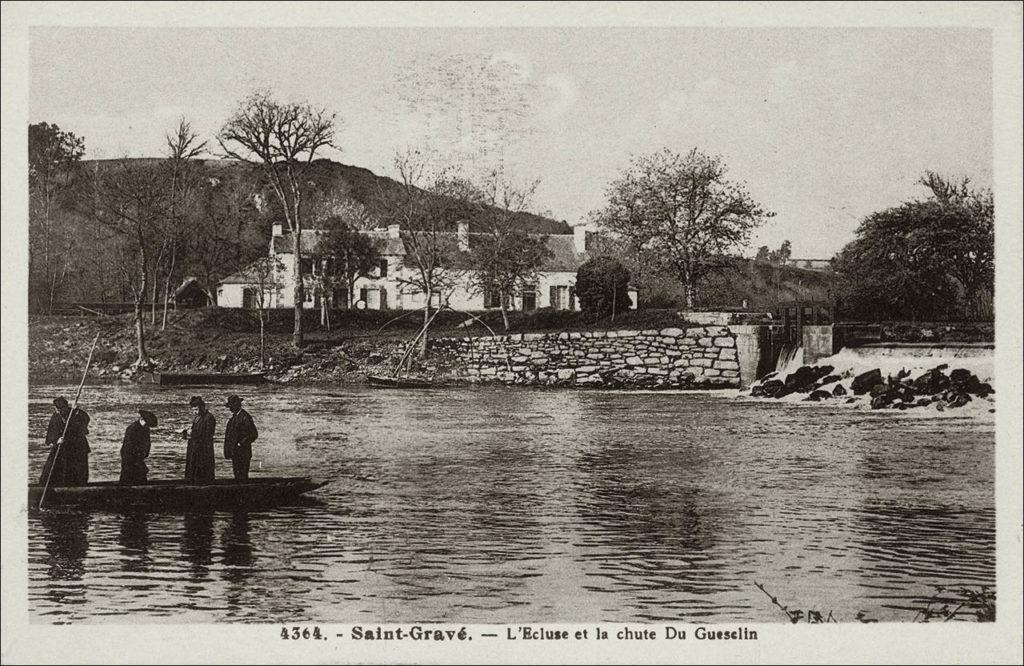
(282, 139)
(130, 201)
(504, 256)
(52, 156)
(264, 274)
(426, 204)
(183, 146)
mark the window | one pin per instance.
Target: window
(364, 295)
(383, 268)
(491, 299)
(559, 298)
(529, 298)
(306, 266)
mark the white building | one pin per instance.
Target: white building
(389, 288)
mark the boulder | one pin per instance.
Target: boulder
(801, 380)
(878, 389)
(882, 400)
(984, 389)
(958, 400)
(818, 395)
(863, 382)
(838, 390)
(828, 379)
(932, 381)
(773, 388)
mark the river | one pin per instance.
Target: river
(504, 505)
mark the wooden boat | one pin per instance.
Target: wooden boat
(390, 381)
(200, 379)
(172, 494)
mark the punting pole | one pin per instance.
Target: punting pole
(67, 421)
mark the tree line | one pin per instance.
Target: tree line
(132, 229)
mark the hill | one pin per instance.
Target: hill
(355, 182)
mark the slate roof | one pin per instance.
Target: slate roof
(564, 256)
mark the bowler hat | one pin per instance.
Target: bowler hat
(60, 402)
(196, 401)
(148, 417)
(233, 400)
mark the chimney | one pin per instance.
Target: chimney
(579, 238)
(393, 230)
(277, 229)
(463, 234)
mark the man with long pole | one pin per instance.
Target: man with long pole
(81, 420)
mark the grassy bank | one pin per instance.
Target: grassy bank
(359, 342)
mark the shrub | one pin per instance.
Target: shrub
(602, 286)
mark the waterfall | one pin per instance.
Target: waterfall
(791, 357)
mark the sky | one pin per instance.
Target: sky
(824, 126)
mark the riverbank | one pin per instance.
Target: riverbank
(219, 340)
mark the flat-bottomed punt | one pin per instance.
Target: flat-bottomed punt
(207, 379)
(175, 495)
(382, 381)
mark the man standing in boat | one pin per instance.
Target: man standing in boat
(239, 434)
(69, 446)
(199, 457)
(135, 449)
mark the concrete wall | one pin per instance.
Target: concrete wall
(666, 358)
(817, 343)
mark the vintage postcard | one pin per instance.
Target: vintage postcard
(524, 332)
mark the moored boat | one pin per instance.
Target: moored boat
(384, 381)
(175, 495)
(205, 379)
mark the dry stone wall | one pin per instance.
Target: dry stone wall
(698, 357)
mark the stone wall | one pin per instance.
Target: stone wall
(699, 357)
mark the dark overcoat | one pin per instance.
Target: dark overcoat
(239, 434)
(134, 451)
(71, 467)
(199, 457)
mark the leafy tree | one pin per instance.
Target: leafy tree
(763, 254)
(346, 253)
(926, 259)
(602, 285)
(504, 256)
(53, 157)
(684, 210)
(282, 139)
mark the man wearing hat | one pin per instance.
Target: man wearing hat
(199, 458)
(69, 446)
(135, 449)
(239, 435)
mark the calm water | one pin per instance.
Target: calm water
(508, 505)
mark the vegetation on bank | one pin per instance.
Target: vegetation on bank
(968, 603)
(227, 340)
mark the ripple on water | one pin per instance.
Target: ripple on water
(498, 506)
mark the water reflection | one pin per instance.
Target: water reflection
(66, 542)
(197, 544)
(516, 505)
(133, 537)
